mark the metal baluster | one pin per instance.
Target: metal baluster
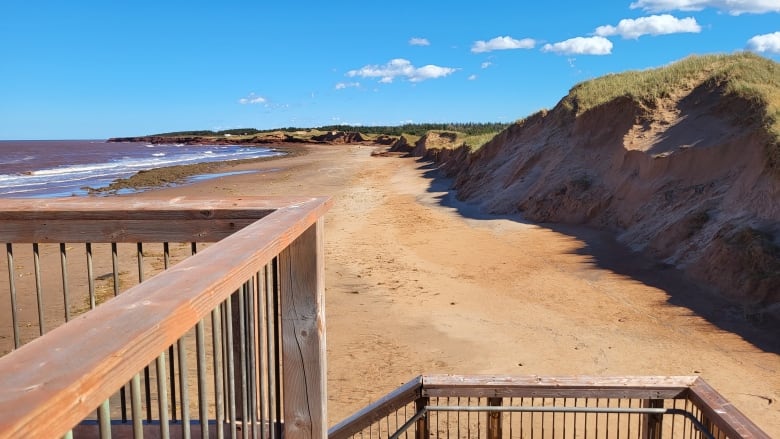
(242, 358)
(251, 356)
(184, 388)
(275, 332)
(147, 377)
(38, 287)
(65, 288)
(135, 402)
(227, 311)
(171, 353)
(90, 279)
(12, 286)
(262, 365)
(162, 397)
(115, 277)
(203, 409)
(216, 340)
(104, 420)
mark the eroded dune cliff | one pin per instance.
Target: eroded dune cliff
(689, 173)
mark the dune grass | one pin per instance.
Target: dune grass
(477, 141)
(743, 75)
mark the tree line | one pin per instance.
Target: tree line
(418, 129)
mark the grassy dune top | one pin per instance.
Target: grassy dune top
(743, 75)
(417, 129)
(471, 134)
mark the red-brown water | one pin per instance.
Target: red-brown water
(55, 168)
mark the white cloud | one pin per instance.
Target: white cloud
(502, 43)
(581, 46)
(765, 43)
(252, 99)
(733, 7)
(402, 68)
(486, 64)
(652, 25)
(343, 85)
(472, 77)
(416, 41)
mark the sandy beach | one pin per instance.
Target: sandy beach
(418, 283)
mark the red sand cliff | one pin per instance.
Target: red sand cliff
(690, 179)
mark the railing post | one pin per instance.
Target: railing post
(301, 280)
(236, 344)
(494, 419)
(651, 423)
(422, 429)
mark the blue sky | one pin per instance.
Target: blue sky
(97, 69)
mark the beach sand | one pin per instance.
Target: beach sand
(419, 283)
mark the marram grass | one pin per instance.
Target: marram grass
(744, 75)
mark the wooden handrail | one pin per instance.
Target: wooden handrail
(53, 382)
(637, 387)
(377, 410)
(717, 411)
(721, 413)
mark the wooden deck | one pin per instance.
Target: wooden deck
(54, 382)
(230, 341)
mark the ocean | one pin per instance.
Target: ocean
(60, 168)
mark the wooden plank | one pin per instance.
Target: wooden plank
(101, 207)
(302, 289)
(162, 213)
(53, 382)
(494, 430)
(636, 387)
(721, 413)
(652, 423)
(71, 231)
(151, 430)
(377, 410)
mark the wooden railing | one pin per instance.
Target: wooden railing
(202, 318)
(493, 407)
(227, 342)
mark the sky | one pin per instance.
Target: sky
(98, 69)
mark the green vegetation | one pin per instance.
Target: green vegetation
(206, 133)
(744, 75)
(476, 141)
(419, 129)
(471, 134)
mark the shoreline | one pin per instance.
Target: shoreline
(177, 175)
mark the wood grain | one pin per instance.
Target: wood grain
(635, 387)
(303, 336)
(53, 382)
(722, 414)
(377, 410)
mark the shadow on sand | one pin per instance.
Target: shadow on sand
(606, 253)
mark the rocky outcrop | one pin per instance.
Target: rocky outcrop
(401, 145)
(384, 139)
(271, 138)
(340, 137)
